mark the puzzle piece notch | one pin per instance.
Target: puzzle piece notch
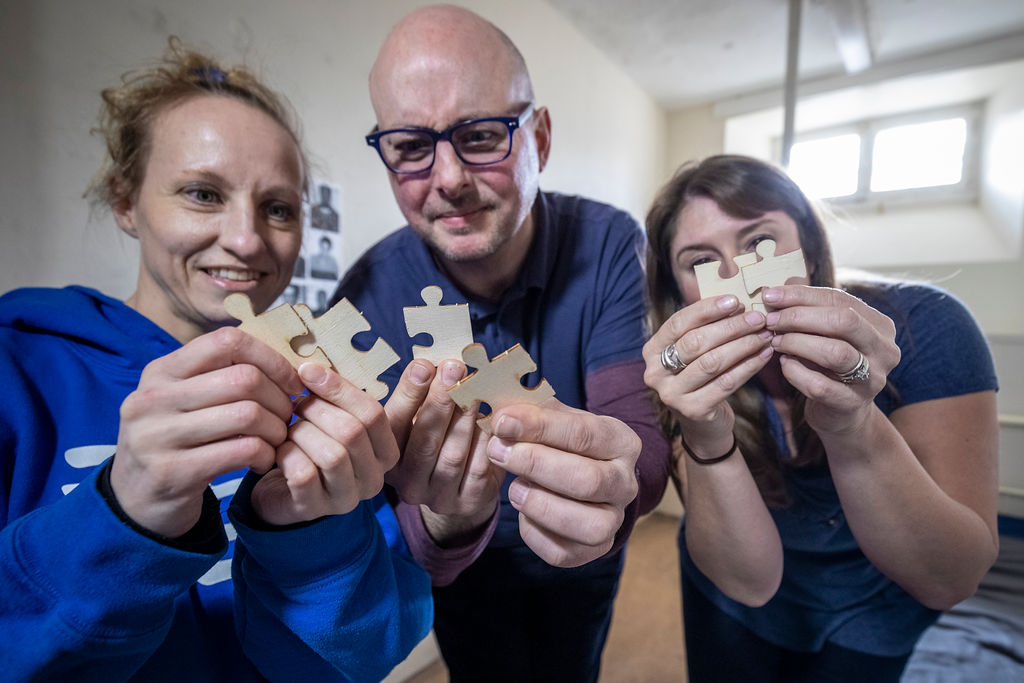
(752, 275)
(332, 334)
(449, 326)
(710, 284)
(771, 269)
(326, 341)
(497, 382)
(275, 328)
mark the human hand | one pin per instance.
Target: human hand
(444, 465)
(218, 404)
(721, 352)
(337, 452)
(576, 473)
(822, 333)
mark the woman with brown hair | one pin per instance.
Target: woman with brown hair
(836, 456)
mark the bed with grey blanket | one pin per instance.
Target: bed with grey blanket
(982, 638)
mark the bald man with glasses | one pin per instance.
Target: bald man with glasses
(522, 529)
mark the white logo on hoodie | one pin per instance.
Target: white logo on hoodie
(87, 457)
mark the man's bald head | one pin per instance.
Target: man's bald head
(442, 67)
(433, 47)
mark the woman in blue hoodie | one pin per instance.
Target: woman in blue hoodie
(164, 516)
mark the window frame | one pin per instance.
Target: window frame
(864, 198)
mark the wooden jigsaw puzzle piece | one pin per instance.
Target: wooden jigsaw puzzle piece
(332, 334)
(710, 284)
(772, 270)
(275, 328)
(497, 382)
(448, 325)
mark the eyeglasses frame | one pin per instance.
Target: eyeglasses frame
(512, 123)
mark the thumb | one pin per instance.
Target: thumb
(407, 398)
(328, 384)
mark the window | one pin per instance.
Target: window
(918, 155)
(927, 156)
(827, 166)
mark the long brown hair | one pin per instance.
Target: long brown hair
(743, 187)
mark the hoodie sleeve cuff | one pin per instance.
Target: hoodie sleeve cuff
(206, 537)
(283, 553)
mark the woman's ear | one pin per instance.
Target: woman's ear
(122, 205)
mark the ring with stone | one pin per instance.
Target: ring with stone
(670, 359)
(860, 372)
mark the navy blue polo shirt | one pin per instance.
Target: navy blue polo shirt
(577, 306)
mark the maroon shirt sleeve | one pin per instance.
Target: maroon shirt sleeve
(618, 390)
(443, 564)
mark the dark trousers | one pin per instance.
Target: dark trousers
(720, 649)
(512, 617)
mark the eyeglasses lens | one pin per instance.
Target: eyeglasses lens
(476, 142)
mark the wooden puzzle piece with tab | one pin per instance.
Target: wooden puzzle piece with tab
(751, 275)
(497, 381)
(449, 326)
(326, 340)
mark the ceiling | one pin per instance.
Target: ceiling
(688, 52)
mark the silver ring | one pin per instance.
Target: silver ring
(860, 372)
(670, 359)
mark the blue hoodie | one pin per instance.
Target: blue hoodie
(85, 596)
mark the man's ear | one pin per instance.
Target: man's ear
(542, 135)
(123, 208)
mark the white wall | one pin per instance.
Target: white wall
(1008, 353)
(1002, 191)
(693, 134)
(56, 55)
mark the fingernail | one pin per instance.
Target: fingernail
(727, 303)
(509, 426)
(419, 374)
(312, 374)
(451, 373)
(772, 318)
(765, 335)
(754, 319)
(767, 352)
(498, 450)
(771, 295)
(517, 493)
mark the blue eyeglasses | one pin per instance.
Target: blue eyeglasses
(478, 142)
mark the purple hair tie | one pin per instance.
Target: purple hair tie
(210, 74)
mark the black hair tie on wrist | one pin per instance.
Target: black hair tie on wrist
(708, 461)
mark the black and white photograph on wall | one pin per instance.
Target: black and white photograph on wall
(323, 214)
(323, 265)
(319, 304)
(318, 267)
(294, 294)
